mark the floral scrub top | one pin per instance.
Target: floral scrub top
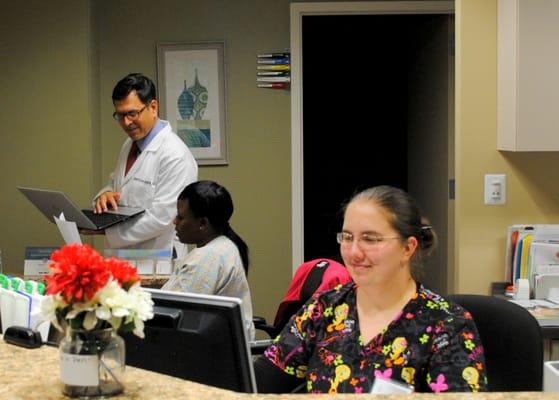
(432, 344)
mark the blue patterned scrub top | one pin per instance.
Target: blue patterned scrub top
(432, 344)
(215, 269)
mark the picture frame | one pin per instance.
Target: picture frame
(191, 86)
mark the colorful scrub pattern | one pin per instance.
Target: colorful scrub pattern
(432, 344)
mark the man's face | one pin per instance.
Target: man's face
(139, 126)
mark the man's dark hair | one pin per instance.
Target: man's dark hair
(140, 83)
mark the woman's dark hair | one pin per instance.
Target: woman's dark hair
(405, 218)
(140, 83)
(210, 200)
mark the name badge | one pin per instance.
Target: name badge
(143, 181)
(388, 386)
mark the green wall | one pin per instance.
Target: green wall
(58, 73)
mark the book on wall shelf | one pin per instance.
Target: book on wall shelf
(276, 61)
(269, 67)
(273, 73)
(275, 55)
(274, 85)
(273, 70)
(273, 79)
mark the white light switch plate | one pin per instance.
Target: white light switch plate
(495, 189)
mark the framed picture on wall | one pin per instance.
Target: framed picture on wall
(191, 86)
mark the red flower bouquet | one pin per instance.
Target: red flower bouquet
(87, 291)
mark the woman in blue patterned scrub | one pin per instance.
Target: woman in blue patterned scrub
(385, 324)
(218, 265)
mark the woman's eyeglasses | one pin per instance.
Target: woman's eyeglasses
(366, 241)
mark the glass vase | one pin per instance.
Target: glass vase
(92, 363)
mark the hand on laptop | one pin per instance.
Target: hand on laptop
(105, 201)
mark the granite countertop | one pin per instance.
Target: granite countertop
(34, 373)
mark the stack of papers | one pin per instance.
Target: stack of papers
(545, 311)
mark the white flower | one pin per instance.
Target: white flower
(89, 320)
(139, 328)
(142, 308)
(115, 303)
(49, 305)
(142, 305)
(111, 303)
(80, 307)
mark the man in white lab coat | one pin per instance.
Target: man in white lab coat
(153, 167)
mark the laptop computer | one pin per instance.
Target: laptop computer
(51, 203)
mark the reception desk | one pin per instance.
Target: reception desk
(34, 374)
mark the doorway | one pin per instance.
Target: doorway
(401, 135)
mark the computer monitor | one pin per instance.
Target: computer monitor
(197, 337)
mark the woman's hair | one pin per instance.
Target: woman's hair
(405, 218)
(210, 200)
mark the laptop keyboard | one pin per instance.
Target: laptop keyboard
(104, 218)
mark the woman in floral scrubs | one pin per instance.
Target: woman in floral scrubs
(385, 323)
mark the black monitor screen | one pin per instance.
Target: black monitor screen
(196, 337)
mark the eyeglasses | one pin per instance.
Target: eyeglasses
(366, 241)
(132, 115)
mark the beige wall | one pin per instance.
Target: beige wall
(59, 68)
(533, 192)
(258, 120)
(45, 110)
(58, 74)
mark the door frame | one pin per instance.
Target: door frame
(298, 10)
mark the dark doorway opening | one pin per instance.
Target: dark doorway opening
(356, 114)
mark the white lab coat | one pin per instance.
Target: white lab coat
(154, 182)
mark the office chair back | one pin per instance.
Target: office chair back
(512, 341)
(312, 276)
(311, 283)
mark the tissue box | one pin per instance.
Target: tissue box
(551, 376)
